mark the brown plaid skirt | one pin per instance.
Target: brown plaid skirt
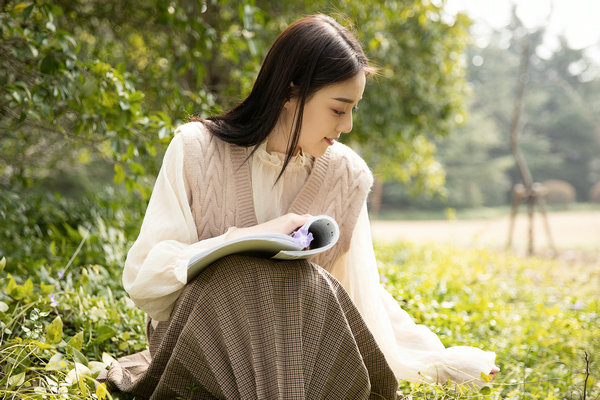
(250, 328)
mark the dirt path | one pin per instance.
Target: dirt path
(570, 230)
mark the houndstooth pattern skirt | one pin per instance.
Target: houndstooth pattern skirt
(250, 328)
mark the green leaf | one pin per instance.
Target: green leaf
(136, 96)
(49, 65)
(56, 362)
(137, 168)
(18, 8)
(103, 333)
(50, 26)
(119, 173)
(164, 132)
(28, 288)
(485, 390)
(27, 12)
(101, 391)
(43, 345)
(486, 377)
(3, 307)
(89, 87)
(122, 118)
(46, 289)
(79, 357)
(2, 263)
(76, 342)
(124, 105)
(13, 290)
(16, 96)
(16, 380)
(54, 331)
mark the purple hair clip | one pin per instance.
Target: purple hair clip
(302, 237)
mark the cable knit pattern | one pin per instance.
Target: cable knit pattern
(337, 186)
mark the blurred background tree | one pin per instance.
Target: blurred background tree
(191, 57)
(560, 124)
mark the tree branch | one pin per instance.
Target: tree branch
(514, 126)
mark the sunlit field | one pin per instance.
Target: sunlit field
(541, 317)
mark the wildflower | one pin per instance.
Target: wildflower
(577, 306)
(53, 301)
(60, 273)
(302, 237)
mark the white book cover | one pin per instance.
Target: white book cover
(323, 229)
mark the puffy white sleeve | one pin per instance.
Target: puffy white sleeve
(155, 270)
(413, 351)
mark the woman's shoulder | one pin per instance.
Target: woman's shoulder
(195, 136)
(191, 130)
(196, 143)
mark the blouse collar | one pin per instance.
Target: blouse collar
(276, 159)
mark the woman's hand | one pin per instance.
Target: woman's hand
(286, 224)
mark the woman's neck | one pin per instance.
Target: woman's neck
(278, 139)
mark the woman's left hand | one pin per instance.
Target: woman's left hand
(285, 224)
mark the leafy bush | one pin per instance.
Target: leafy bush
(61, 300)
(559, 192)
(42, 229)
(595, 193)
(58, 108)
(58, 332)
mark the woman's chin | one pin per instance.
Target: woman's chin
(317, 151)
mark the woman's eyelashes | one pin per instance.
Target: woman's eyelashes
(337, 112)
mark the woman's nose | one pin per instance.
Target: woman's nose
(345, 125)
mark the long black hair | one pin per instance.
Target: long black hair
(308, 55)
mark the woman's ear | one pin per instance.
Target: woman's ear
(290, 92)
(291, 104)
(291, 98)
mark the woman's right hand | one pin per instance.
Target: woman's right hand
(286, 224)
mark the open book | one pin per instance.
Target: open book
(325, 233)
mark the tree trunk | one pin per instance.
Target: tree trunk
(514, 126)
(376, 196)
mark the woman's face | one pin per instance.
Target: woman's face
(328, 114)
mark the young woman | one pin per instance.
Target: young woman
(253, 328)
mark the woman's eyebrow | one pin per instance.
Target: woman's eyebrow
(344, 100)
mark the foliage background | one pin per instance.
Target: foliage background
(559, 132)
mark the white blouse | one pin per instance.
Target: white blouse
(155, 269)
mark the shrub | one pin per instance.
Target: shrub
(595, 193)
(42, 228)
(559, 192)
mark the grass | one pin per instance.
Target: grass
(473, 213)
(540, 316)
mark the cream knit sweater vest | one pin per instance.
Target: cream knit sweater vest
(220, 187)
